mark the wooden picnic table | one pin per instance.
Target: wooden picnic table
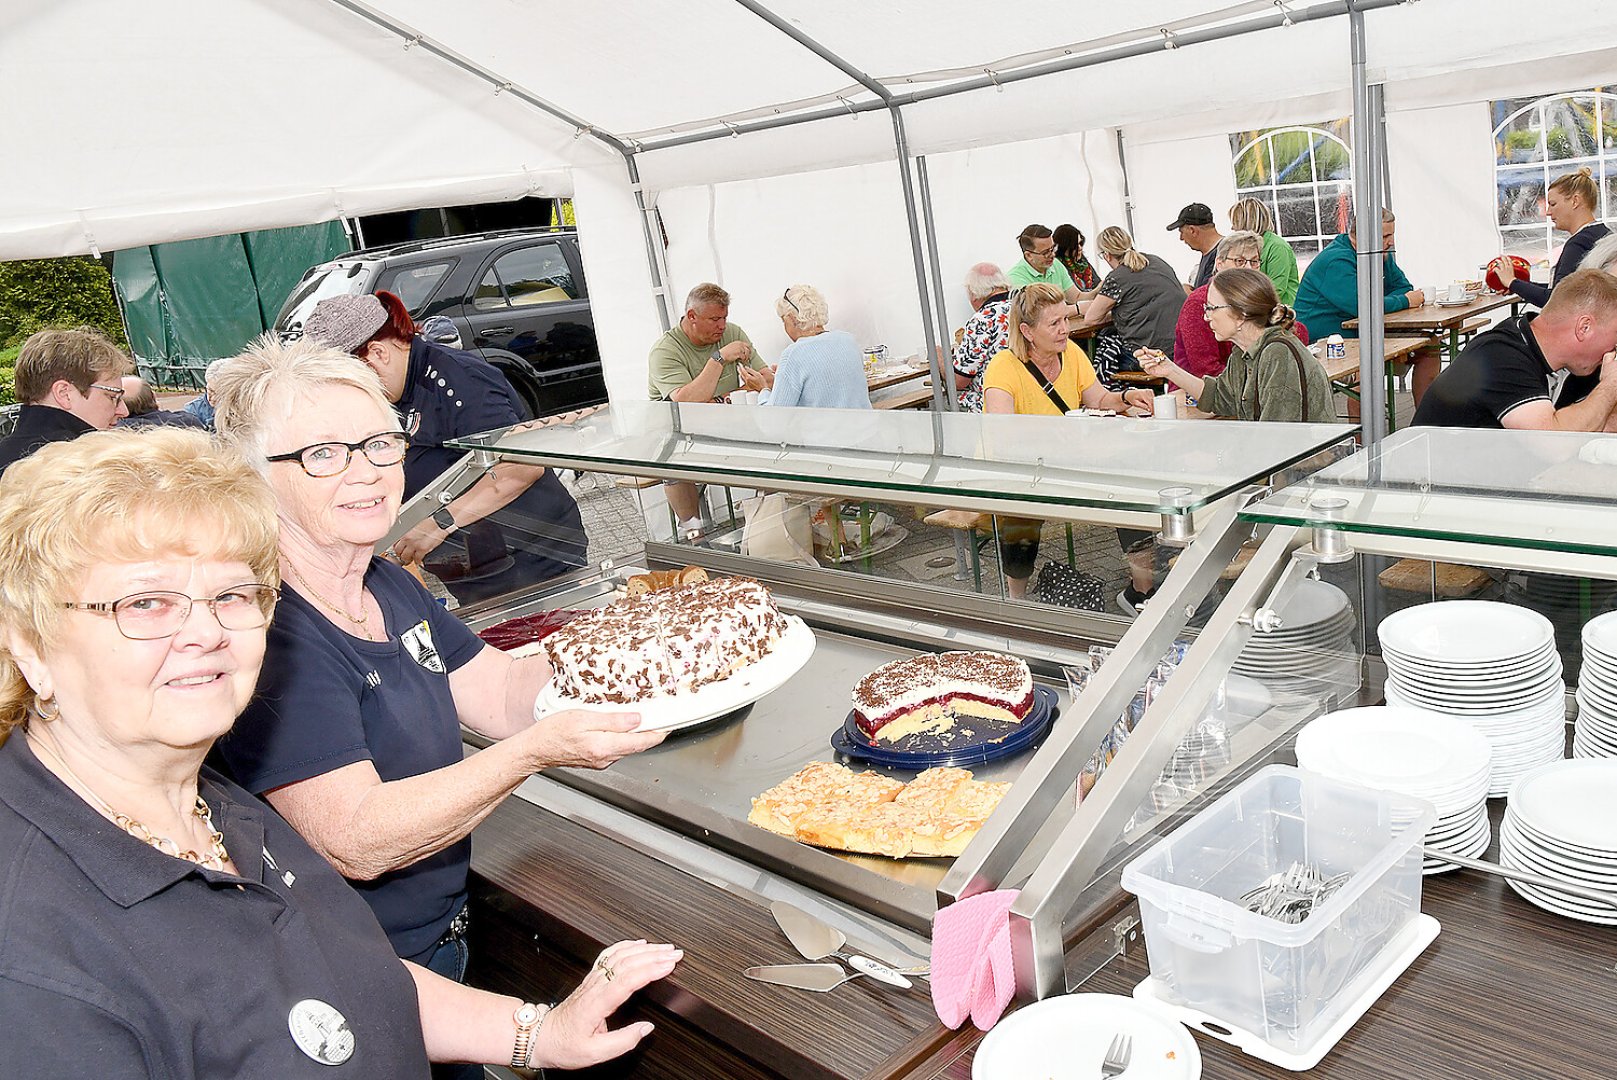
(881, 380)
(1081, 328)
(1439, 319)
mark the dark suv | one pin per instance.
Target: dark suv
(518, 298)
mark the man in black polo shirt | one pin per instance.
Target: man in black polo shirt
(1508, 376)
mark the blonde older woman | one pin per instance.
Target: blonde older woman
(1277, 261)
(821, 369)
(1043, 373)
(354, 735)
(158, 920)
(1142, 295)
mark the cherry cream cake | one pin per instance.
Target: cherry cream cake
(927, 693)
(659, 644)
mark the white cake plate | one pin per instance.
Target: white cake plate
(675, 711)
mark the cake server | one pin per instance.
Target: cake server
(821, 978)
(815, 940)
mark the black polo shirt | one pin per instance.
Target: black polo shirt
(1501, 370)
(120, 961)
(36, 426)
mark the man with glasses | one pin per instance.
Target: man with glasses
(1194, 347)
(1039, 264)
(68, 381)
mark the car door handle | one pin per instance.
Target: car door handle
(498, 331)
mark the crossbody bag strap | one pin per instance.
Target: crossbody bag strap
(1048, 388)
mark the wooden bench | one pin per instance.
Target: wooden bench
(909, 399)
(982, 525)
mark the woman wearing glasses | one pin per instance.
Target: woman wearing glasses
(1270, 375)
(354, 735)
(68, 383)
(1195, 349)
(513, 528)
(158, 921)
(820, 369)
(1279, 263)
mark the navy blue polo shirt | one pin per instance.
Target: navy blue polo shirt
(326, 699)
(450, 394)
(122, 961)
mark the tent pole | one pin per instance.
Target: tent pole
(1367, 196)
(1128, 196)
(940, 402)
(950, 393)
(654, 261)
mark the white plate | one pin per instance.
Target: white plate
(1484, 713)
(1466, 631)
(1600, 636)
(1477, 678)
(1514, 664)
(1574, 801)
(746, 686)
(1414, 751)
(1065, 1038)
(1517, 694)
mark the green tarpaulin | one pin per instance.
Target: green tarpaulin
(190, 302)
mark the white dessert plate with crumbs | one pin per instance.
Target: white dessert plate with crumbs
(674, 711)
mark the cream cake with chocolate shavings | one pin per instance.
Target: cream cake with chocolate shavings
(928, 693)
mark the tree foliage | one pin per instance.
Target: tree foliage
(68, 292)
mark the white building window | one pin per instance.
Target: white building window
(1537, 140)
(1305, 176)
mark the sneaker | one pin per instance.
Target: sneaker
(1131, 601)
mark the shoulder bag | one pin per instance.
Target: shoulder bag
(1048, 388)
(1302, 382)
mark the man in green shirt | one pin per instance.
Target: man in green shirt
(705, 358)
(1038, 263)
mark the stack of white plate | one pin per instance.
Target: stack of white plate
(1596, 732)
(1562, 822)
(1492, 665)
(1441, 759)
(1313, 645)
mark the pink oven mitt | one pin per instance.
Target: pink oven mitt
(972, 973)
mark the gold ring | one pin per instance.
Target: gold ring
(605, 969)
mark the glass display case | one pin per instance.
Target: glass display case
(1182, 482)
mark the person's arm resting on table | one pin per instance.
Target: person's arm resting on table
(1593, 413)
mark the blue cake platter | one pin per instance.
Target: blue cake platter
(972, 741)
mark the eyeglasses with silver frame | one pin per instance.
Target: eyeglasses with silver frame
(159, 613)
(331, 458)
(115, 392)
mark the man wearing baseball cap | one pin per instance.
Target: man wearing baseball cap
(1195, 227)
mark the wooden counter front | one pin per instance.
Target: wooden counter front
(549, 894)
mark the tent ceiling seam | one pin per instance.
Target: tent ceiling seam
(413, 38)
(1265, 15)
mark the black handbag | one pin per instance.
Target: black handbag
(1058, 583)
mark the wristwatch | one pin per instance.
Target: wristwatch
(718, 358)
(444, 519)
(529, 1018)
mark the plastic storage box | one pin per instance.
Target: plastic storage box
(1280, 982)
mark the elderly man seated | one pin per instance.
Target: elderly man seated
(1507, 376)
(705, 358)
(985, 334)
(1329, 295)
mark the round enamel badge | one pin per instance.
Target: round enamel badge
(321, 1031)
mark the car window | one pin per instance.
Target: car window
(489, 295)
(414, 284)
(336, 279)
(532, 275)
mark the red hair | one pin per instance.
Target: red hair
(399, 325)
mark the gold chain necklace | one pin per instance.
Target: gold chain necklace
(217, 856)
(364, 619)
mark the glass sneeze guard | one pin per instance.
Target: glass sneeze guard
(988, 463)
(1549, 491)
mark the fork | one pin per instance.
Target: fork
(1117, 1057)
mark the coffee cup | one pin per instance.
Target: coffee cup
(1431, 294)
(1165, 407)
(1456, 293)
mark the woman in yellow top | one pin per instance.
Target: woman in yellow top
(1020, 380)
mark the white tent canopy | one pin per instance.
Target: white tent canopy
(138, 123)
